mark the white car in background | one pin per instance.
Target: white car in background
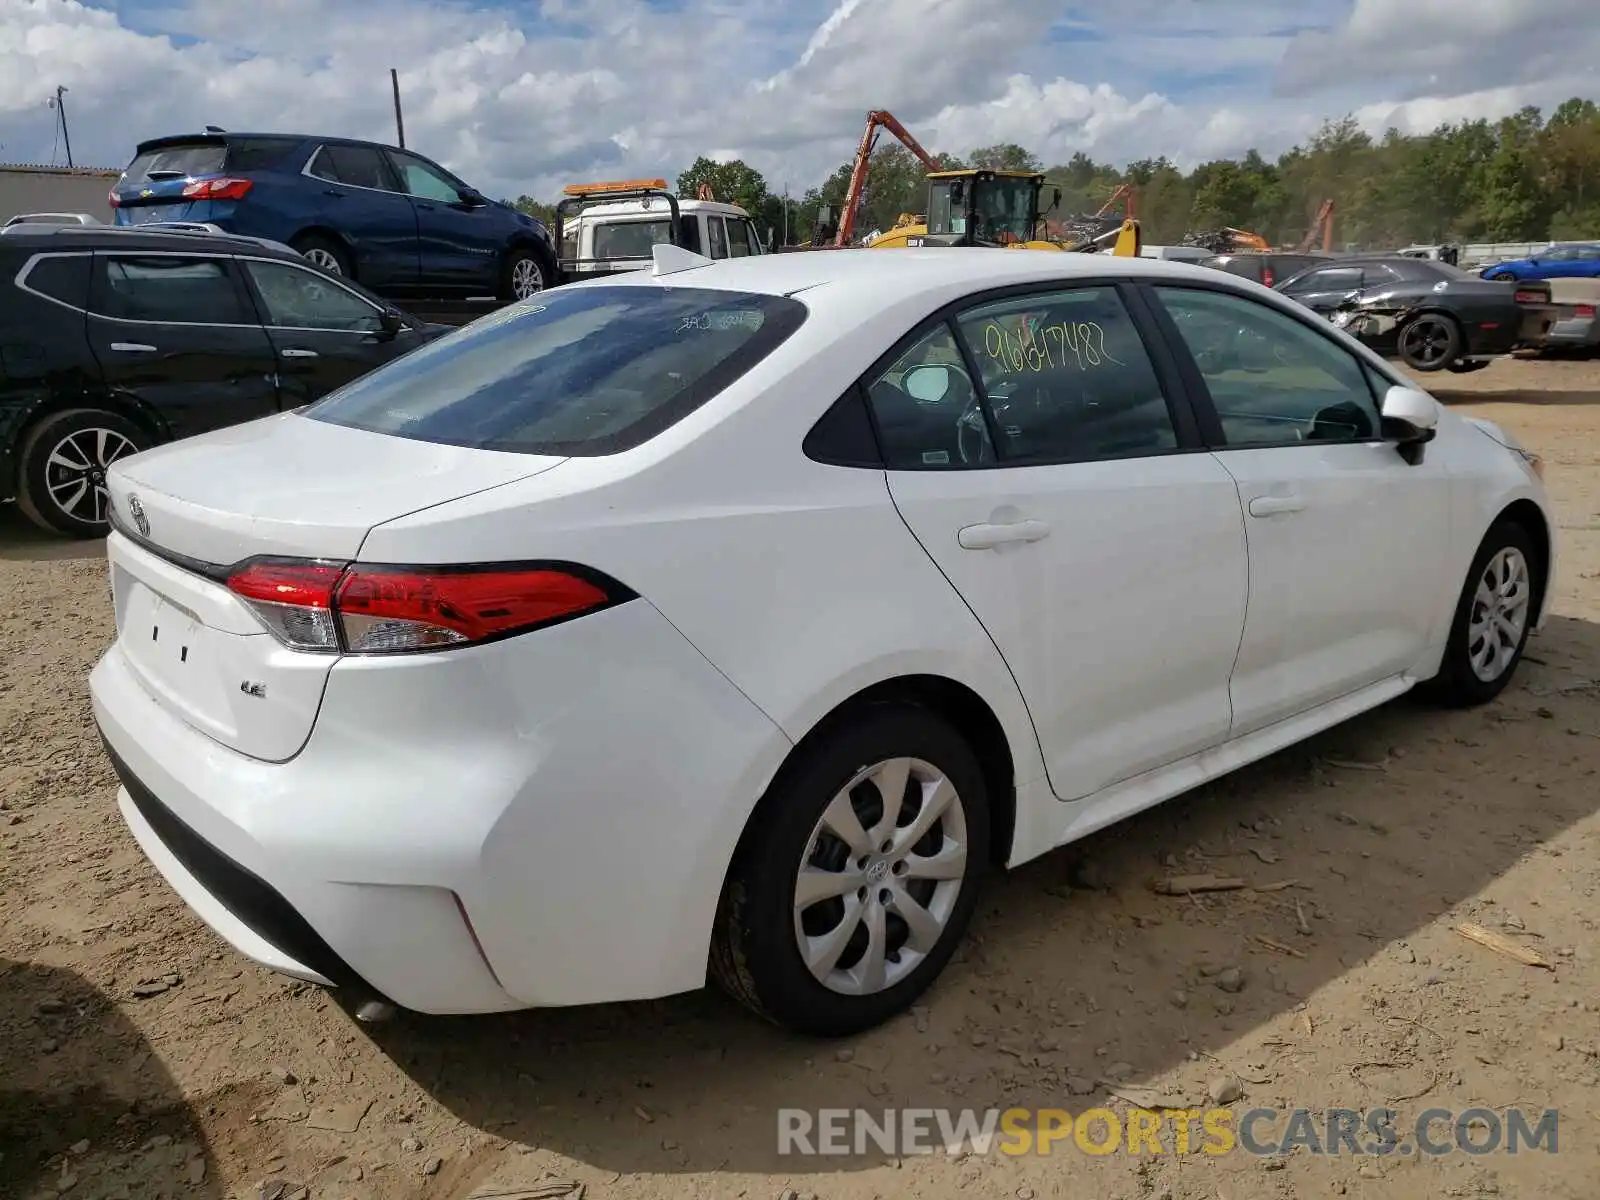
(738, 618)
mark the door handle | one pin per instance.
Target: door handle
(987, 536)
(1271, 506)
(297, 352)
(132, 348)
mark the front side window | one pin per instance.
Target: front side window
(1067, 377)
(423, 180)
(586, 371)
(1330, 279)
(298, 299)
(190, 291)
(1273, 380)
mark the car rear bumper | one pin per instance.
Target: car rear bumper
(543, 821)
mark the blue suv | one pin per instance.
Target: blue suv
(392, 220)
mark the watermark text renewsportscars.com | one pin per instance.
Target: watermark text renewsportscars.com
(842, 1132)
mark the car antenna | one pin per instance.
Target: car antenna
(215, 129)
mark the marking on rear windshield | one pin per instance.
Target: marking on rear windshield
(721, 320)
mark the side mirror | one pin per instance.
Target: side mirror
(927, 384)
(472, 198)
(1410, 420)
(1055, 200)
(392, 323)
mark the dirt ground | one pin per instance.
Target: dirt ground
(140, 1057)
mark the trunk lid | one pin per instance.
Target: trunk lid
(283, 486)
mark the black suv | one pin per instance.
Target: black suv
(113, 340)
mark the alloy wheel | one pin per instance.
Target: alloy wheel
(526, 278)
(883, 869)
(1427, 340)
(75, 472)
(1499, 615)
(317, 256)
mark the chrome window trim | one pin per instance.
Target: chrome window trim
(20, 281)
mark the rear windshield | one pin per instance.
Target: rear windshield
(580, 371)
(631, 239)
(179, 161)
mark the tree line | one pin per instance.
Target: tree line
(1522, 178)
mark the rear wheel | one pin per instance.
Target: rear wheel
(1431, 342)
(63, 469)
(1504, 276)
(1493, 618)
(324, 252)
(853, 888)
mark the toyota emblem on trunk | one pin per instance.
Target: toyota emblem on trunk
(140, 521)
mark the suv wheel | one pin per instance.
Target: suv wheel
(526, 274)
(324, 252)
(63, 469)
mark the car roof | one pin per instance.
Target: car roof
(658, 208)
(40, 238)
(904, 273)
(210, 137)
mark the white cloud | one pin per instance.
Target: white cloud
(527, 96)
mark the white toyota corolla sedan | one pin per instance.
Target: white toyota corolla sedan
(736, 618)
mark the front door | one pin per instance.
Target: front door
(324, 334)
(177, 334)
(1347, 540)
(1104, 555)
(458, 243)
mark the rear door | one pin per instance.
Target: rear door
(1038, 453)
(177, 332)
(362, 199)
(458, 242)
(324, 334)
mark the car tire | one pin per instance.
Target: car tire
(1480, 658)
(756, 951)
(1431, 342)
(525, 265)
(1504, 276)
(326, 253)
(48, 473)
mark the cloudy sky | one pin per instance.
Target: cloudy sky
(524, 95)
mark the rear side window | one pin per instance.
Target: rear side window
(259, 153)
(358, 166)
(63, 277)
(1237, 264)
(588, 371)
(193, 291)
(180, 161)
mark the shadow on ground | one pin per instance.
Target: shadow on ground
(86, 1107)
(1059, 979)
(23, 541)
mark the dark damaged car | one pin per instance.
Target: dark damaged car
(1430, 315)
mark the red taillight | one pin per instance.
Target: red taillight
(217, 189)
(1585, 310)
(1266, 275)
(361, 609)
(114, 200)
(294, 600)
(1531, 297)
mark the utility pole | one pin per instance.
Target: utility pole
(61, 110)
(399, 122)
